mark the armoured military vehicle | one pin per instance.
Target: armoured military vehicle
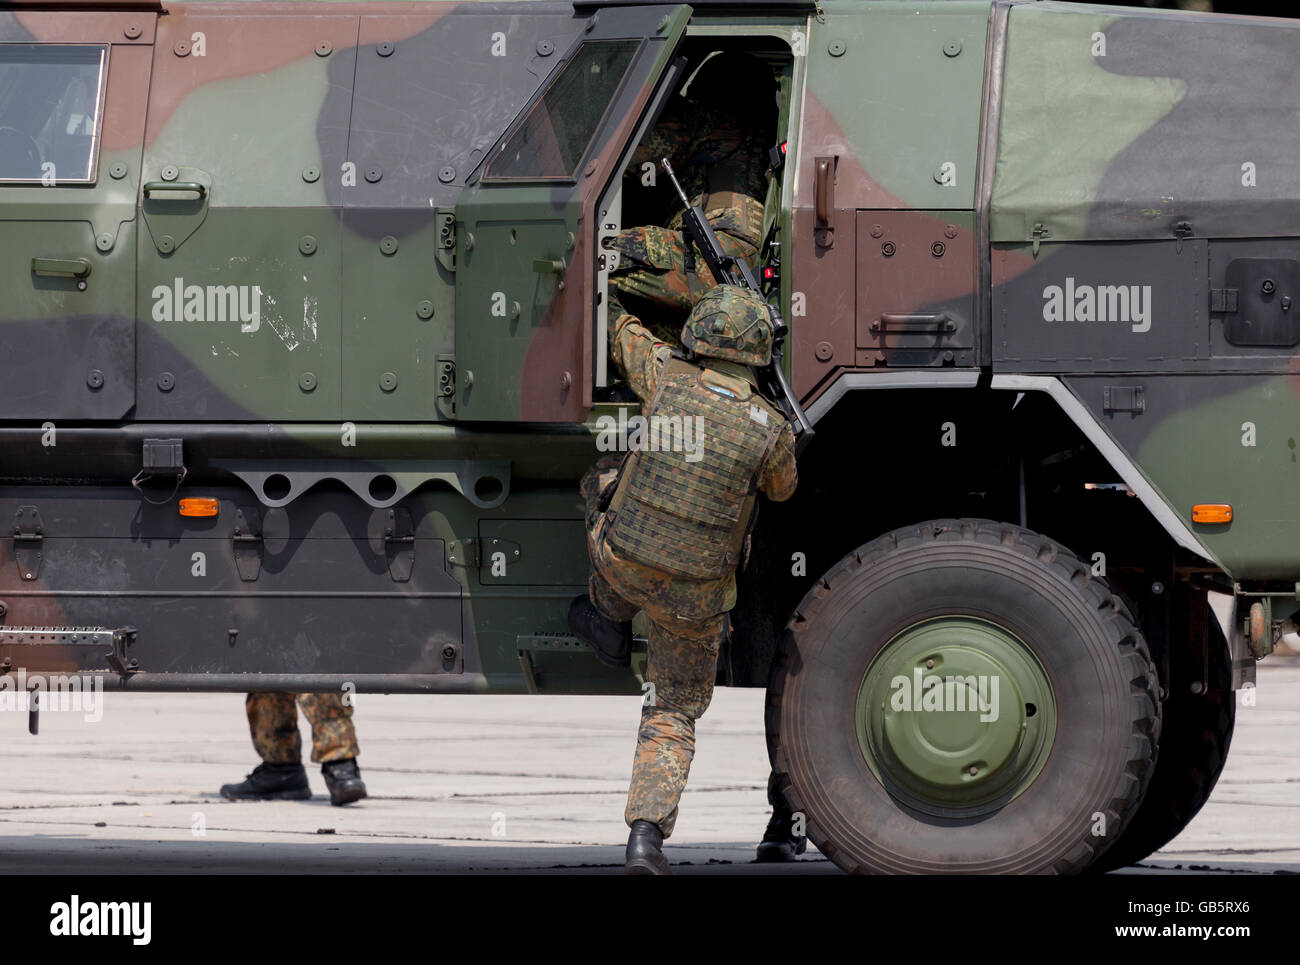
(303, 353)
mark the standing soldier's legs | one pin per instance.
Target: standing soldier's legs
(333, 738)
(682, 666)
(784, 838)
(334, 745)
(273, 722)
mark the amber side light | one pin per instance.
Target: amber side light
(198, 506)
(1212, 513)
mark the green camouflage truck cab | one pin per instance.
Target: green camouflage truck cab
(303, 351)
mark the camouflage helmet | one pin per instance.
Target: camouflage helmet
(730, 323)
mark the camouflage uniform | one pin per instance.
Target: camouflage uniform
(722, 165)
(274, 724)
(688, 617)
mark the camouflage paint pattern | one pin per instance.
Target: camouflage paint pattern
(273, 721)
(964, 124)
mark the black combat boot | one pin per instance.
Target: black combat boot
(644, 856)
(270, 782)
(611, 641)
(780, 843)
(343, 778)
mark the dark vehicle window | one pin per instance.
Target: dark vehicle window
(51, 106)
(555, 135)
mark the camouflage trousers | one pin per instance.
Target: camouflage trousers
(653, 267)
(273, 720)
(686, 633)
(681, 667)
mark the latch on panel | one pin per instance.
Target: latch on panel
(28, 539)
(399, 545)
(473, 551)
(160, 459)
(247, 540)
(390, 532)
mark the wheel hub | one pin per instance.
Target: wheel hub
(955, 716)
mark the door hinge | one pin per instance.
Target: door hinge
(29, 536)
(1223, 300)
(1124, 398)
(446, 250)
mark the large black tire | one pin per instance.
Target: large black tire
(1194, 741)
(1081, 633)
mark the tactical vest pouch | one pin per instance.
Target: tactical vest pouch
(686, 497)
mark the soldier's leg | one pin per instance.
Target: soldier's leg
(603, 620)
(682, 665)
(333, 736)
(784, 839)
(334, 745)
(273, 722)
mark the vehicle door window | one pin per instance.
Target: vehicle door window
(557, 131)
(51, 107)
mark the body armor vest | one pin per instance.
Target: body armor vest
(685, 509)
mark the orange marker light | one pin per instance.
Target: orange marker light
(1212, 513)
(199, 506)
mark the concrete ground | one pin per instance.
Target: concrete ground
(493, 784)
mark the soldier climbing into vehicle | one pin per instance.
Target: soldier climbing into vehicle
(721, 143)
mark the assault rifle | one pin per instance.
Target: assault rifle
(730, 270)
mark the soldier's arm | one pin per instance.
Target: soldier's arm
(780, 476)
(636, 352)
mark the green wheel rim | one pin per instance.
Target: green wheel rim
(956, 716)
